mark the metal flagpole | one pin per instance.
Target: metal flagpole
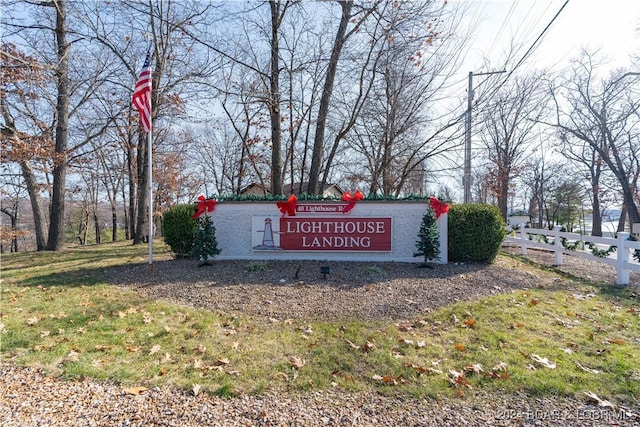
(150, 179)
(142, 102)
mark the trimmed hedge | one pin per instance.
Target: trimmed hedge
(476, 232)
(179, 229)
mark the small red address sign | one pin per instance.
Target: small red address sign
(335, 234)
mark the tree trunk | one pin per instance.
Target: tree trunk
(274, 100)
(503, 198)
(13, 217)
(623, 218)
(596, 226)
(55, 241)
(9, 129)
(114, 223)
(36, 204)
(96, 226)
(143, 193)
(318, 140)
(131, 216)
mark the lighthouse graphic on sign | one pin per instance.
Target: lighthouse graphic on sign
(268, 242)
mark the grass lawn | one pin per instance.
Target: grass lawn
(56, 312)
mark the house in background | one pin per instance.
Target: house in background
(257, 189)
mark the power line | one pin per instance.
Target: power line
(535, 43)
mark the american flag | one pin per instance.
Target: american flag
(142, 93)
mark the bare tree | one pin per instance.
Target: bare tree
(603, 114)
(397, 130)
(508, 130)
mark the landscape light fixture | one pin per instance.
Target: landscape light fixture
(324, 270)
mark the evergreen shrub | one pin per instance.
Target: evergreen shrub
(476, 232)
(179, 229)
(428, 244)
(205, 244)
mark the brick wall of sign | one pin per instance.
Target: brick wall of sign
(370, 231)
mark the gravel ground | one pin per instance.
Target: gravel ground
(28, 397)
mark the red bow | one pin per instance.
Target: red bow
(203, 206)
(347, 197)
(438, 207)
(289, 207)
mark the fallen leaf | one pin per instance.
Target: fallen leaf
(616, 341)
(72, 356)
(476, 368)
(44, 334)
(458, 379)
(222, 362)
(404, 341)
(501, 366)
(133, 348)
(368, 346)
(135, 390)
(403, 327)
(102, 347)
(296, 362)
(99, 362)
(543, 361)
(594, 399)
(32, 321)
(196, 389)
(534, 301)
(387, 379)
(460, 347)
(469, 323)
(352, 345)
(154, 350)
(589, 370)
(424, 370)
(146, 317)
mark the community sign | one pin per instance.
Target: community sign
(321, 227)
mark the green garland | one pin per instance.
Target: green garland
(315, 197)
(581, 244)
(636, 252)
(601, 253)
(595, 251)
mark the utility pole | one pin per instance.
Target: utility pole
(466, 179)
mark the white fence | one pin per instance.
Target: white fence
(619, 258)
